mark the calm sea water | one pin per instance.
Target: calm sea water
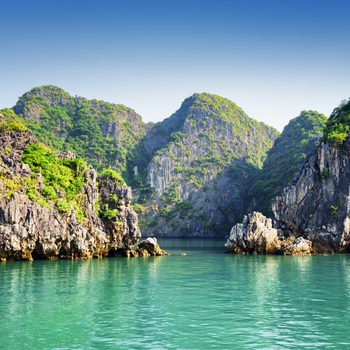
(205, 300)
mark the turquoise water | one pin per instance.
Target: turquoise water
(204, 300)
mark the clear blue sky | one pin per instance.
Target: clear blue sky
(272, 58)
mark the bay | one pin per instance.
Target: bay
(204, 300)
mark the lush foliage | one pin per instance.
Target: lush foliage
(114, 175)
(110, 213)
(285, 158)
(12, 126)
(113, 137)
(338, 124)
(63, 175)
(11, 121)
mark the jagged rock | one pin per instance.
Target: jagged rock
(316, 205)
(313, 213)
(254, 235)
(150, 247)
(300, 246)
(29, 231)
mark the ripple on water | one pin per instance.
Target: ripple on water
(201, 301)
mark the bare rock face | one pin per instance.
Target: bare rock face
(29, 231)
(316, 206)
(254, 235)
(199, 170)
(300, 246)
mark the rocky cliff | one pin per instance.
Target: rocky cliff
(52, 206)
(313, 211)
(316, 205)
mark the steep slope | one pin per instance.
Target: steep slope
(202, 175)
(285, 158)
(313, 212)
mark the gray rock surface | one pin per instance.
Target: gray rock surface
(254, 235)
(312, 214)
(300, 246)
(195, 168)
(316, 205)
(150, 247)
(29, 231)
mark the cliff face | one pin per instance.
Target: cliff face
(201, 176)
(37, 219)
(311, 215)
(316, 205)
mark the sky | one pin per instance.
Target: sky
(272, 58)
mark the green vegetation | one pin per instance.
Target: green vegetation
(181, 207)
(12, 126)
(109, 214)
(333, 210)
(337, 126)
(11, 186)
(63, 175)
(11, 121)
(325, 173)
(112, 138)
(113, 174)
(95, 131)
(85, 128)
(175, 136)
(210, 137)
(138, 208)
(286, 157)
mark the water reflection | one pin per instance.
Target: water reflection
(203, 300)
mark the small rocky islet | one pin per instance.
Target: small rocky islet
(193, 175)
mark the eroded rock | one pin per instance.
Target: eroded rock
(29, 231)
(254, 235)
(150, 247)
(300, 246)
